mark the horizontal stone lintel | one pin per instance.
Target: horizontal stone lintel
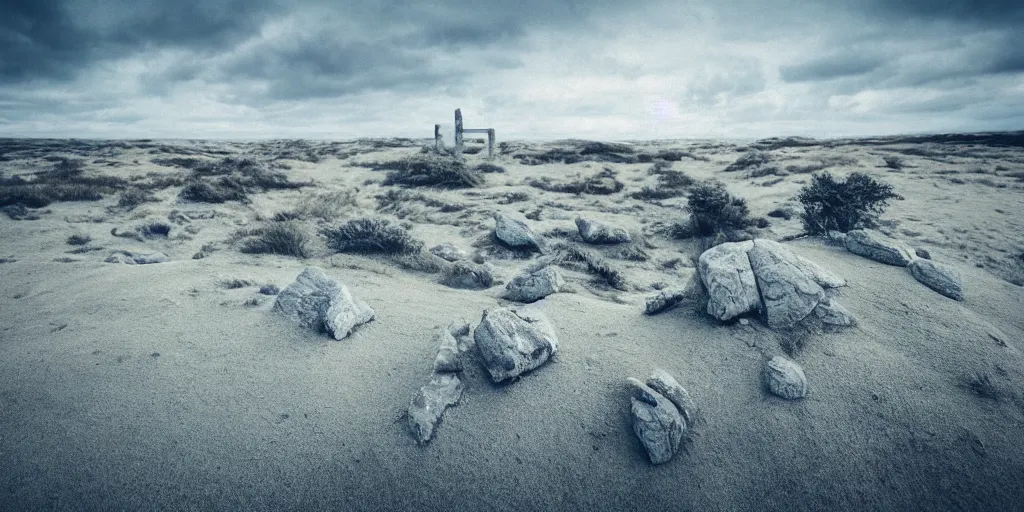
(476, 130)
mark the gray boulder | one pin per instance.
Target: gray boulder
(429, 403)
(656, 422)
(448, 252)
(137, 258)
(726, 273)
(468, 275)
(938, 277)
(785, 378)
(876, 246)
(812, 270)
(535, 286)
(665, 384)
(594, 232)
(318, 302)
(787, 291)
(512, 341)
(514, 232)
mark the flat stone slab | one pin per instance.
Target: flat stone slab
(878, 247)
(428, 405)
(513, 341)
(941, 278)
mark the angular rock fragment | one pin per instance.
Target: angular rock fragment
(938, 277)
(832, 313)
(535, 286)
(429, 403)
(665, 384)
(726, 273)
(512, 341)
(656, 422)
(664, 300)
(448, 252)
(447, 359)
(594, 232)
(318, 302)
(137, 258)
(514, 232)
(876, 246)
(785, 378)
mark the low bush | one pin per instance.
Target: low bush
(752, 158)
(204, 192)
(714, 211)
(602, 183)
(430, 171)
(134, 196)
(371, 235)
(843, 205)
(488, 168)
(79, 239)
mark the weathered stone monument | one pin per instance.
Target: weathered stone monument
(459, 131)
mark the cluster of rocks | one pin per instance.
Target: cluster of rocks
(662, 412)
(318, 302)
(763, 275)
(878, 247)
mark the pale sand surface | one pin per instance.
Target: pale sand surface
(163, 392)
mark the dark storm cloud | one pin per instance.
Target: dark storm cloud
(996, 13)
(830, 67)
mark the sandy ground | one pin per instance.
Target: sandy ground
(152, 387)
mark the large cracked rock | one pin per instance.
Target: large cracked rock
(594, 232)
(878, 247)
(512, 341)
(534, 286)
(429, 403)
(656, 422)
(938, 277)
(318, 302)
(788, 293)
(726, 273)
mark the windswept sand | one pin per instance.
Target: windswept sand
(153, 388)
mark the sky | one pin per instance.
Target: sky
(530, 69)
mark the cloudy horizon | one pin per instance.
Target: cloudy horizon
(649, 69)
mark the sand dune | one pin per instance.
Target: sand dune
(160, 386)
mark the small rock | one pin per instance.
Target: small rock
(938, 277)
(512, 341)
(594, 232)
(664, 300)
(514, 232)
(832, 313)
(878, 247)
(785, 378)
(726, 274)
(664, 383)
(922, 253)
(270, 289)
(535, 286)
(447, 359)
(744, 322)
(429, 403)
(448, 252)
(137, 258)
(468, 275)
(318, 302)
(656, 422)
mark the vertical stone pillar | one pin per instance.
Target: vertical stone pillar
(437, 137)
(458, 132)
(490, 143)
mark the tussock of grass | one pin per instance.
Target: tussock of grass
(980, 384)
(326, 206)
(488, 168)
(134, 196)
(204, 192)
(284, 238)
(574, 151)
(752, 158)
(571, 253)
(602, 183)
(430, 171)
(370, 235)
(79, 239)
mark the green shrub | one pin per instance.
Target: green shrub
(714, 211)
(833, 205)
(368, 235)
